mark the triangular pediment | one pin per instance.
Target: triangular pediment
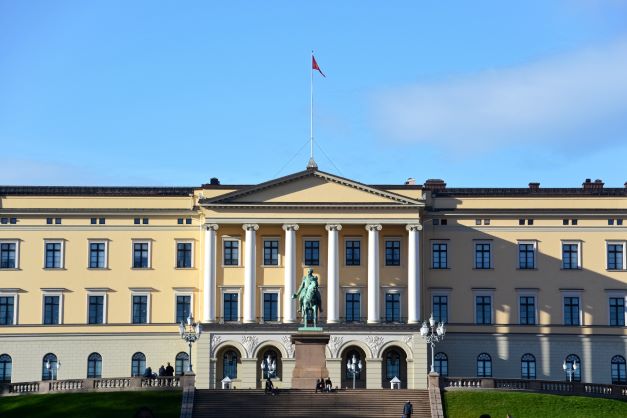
(311, 187)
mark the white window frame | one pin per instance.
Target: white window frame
(474, 254)
(615, 294)
(401, 244)
(279, 248)
(387, 290)
(61, 256)
(361, 252)
(191, 301)
(231, 289)
(17, 253)
(615, 242)
(579, 251)
(271, 289)
(148, 306)
(578, 294)
(442, 292)
(320, 257)
(535, 253)
(353, 289)
(15, 297)
(483, 292)
(176, 250)
(104, 306)
(141, 241)
(43, 306)
(448, 253)
(527, 293)
(239, 250)
(106, 253)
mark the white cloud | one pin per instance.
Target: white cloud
(565, 100)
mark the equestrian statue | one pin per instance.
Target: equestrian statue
(309, 300)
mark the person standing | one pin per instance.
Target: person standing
(408, 409)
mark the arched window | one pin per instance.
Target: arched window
(618, 370)
(138, 364)
(440, 364)
(528, 366)
(271, 358)
(94, 366)
(570, 360)
(181, 365)
(6, 366)
(229, 364)
(349, 357)
(484, 365)
(392, 365)
(49, 369)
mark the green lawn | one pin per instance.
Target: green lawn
(471, 404)
(91, 405)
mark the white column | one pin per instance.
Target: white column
(373, 273)
(209, 275)
(413, 274)
(250, 267)
(289, 313)
(333, 275)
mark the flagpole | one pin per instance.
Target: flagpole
(311, 137)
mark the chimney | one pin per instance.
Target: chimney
(534, 187)
(435, 185)
(410, 181)
(214, 181)
(593, 186)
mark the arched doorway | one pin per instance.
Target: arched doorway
(360, 375)
(394, 365)
(228, 362)
(269, 364)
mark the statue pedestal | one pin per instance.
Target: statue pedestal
(311, 359)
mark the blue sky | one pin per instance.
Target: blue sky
(481, 93)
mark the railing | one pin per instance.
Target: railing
(547, 386)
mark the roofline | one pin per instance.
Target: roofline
(94, 191)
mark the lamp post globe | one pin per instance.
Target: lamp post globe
(432, 332)
(190, 332)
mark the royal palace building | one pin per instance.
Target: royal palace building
(95, 280)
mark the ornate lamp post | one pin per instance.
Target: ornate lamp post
(268, 367)
(49, 366)
(353, 367)
(190, 332)
(432, 334)
(570, 369)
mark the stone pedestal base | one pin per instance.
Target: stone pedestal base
(311, 363)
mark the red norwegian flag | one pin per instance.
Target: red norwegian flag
(314, 66)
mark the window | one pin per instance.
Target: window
(272, 358)
(231, 252)
(136, 221)
(97, 255)
(436, 222)
(353, 252)
(188, 221)
(8, 255)
(392, 365)
(570, 360)
(183, 307)
(145, 221)
(440, 364)
(482, 255)
(349, 357)
(526, 255)
(392, 253)
(570, 256)
(6, 368)
(271, 252)
(229, 364)
(527, 310)
(183, 255)
(312, 253)
(610, 221)
(528, 366)
(138, 364)
(179, 221)
(49, 221)
(440, 255)
(7, 310)
(101, 221)
(483, 310)
(574, 221)
(619, 222)
(94, 366)
(484, 365)
(619, 376)
(393, 307)
(270, 306)
(353, 306)
(615, 253)
(231, 311)
(140, 309)
(93, 221)
(96, 309)
(617, 311)
(54, 255)
(440, 308)
(571, 310)
(57, 221)
(49, 369)
(51, 309)
(141, 255)
(181, 363)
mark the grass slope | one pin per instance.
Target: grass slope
(471, 404)
(91, 405)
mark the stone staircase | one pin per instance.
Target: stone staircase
(375, 403)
